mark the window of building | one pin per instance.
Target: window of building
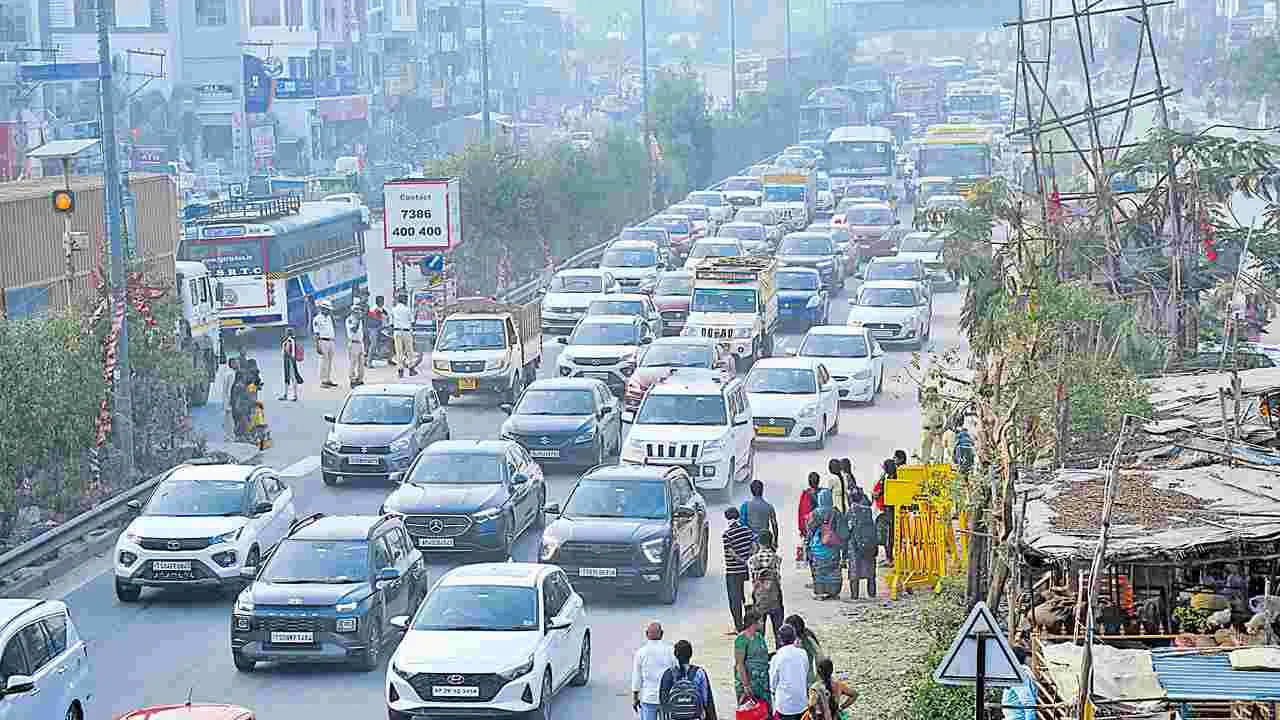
(264, 13)
(297, 68)
(293, 13)
(211, 13)
(13, 23)
(87, 14)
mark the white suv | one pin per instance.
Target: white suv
(44, 665)
(491, 638)
(701, 425)
(202, 524)
(604, 347)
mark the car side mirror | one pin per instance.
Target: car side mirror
(506, 408)
(605, 410)
(400, 622)
(19, 685)
(135, 506)
(262, 508)
(853, 302)
(426, 419)
(330, 418)
(551, 508)
(791, 352)
(860, 274)
(742, 420)
(519, 479)
(542, 292)
(388, 574)
(248, 573)
(563, 340)
(683, 511)
(646, 340)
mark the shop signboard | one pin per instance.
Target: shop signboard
(422, 214)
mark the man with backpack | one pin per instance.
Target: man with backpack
(686, 690)
(962, 448)
(758, 513)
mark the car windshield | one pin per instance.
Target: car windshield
(618, 499)
(781, 381)
(708, 199)
(595, 333)
(459, 468)
(687, 356)
(676, 226)
(576, 284)
(318, 561)
(742, 232)
(879, 192)
(197, 498)
(629, 258)
(555, 402)
(797, 281)
(651, 235)
(695, 212)
(868, 216)
(893, 271)
(742, 185)
(834, 346)
(806, 246)
(682, 410)
(615, 307)
(824, 184)
(764, 217)
(886, 297)
(920, 243)
(476, 334)
(498, 608)
(669, 285)
(701, 250)
(784, 193)
(377, 410)
(723, 300)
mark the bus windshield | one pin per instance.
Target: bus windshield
(954, 161)
(859, 158)
(723, 300)
(741, 184)
(227, 258)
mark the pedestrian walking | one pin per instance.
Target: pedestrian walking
(290, 355)
(375, 320)
(402, 325)
(766, 582)
(789, 677)
(228, 395)
(652, 660)
(751, 660)
(850, 482)
(884, 521)
(808, 502)
(322, 328)
(809, 643)
(829, 698)
(738, 546)
(825, 532)
(355, 345)
(864, 543)
(758, 513)
(685, 691)
(836, 484)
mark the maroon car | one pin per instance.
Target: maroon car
(695, 356)
(672, 295)
(869, 227)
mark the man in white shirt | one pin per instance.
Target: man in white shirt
(789, 676)
(652, 660)
(402, 328)
(322, 328)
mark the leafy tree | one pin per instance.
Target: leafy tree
(1256, 68)
(683, 126)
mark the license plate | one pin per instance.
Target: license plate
(597, 375)
(298, 638)
(172, 575)
(598, 572)
(770, 430)
(171, 566)
(882, 333)
(545, 453)
(364, 460)
(455, 691)
(468, 384)
(435, 542)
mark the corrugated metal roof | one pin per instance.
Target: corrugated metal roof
(19, 190)
(1191, 675)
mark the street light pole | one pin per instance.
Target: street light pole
(644, 89)
(733, 57)
(122, 382)
(787, 66)
(484, 71)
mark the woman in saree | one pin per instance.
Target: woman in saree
(825, 534)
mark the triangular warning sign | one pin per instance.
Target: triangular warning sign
(960, 665)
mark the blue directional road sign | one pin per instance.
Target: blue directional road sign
(49, 72)
(432, 264)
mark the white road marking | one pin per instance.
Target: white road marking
(305, 466)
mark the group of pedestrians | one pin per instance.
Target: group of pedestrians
(244, 415)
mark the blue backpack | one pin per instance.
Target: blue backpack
(964, 453)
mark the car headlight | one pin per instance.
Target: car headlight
(485, 516)
(714, 446)
(813, 302)
(332, 444)
(690, 331)
(566, 358)
(550, 546)
(442, 365)
(402, 673)
(520, 670)
(654, 550)
(808, 411)
(498, 364)
(244, 602)
(585, 437)
(133, 536)
(229, 537)
(743, 332)
(402, 446)
(346, 607)
(863, 374)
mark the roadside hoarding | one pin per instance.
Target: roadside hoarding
(422, 214)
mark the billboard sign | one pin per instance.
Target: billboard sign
(53, 72)
(422, 214)
(900, 15)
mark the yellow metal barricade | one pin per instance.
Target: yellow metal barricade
(926, 547)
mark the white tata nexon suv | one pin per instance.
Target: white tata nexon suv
(699, 424)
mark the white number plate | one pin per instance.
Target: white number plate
(882, 333)
(292, 637)
(545, 453)
(598, 572)
(451, 691)
(597, 375)
(171, 566)
(363, 460)
(435, 542)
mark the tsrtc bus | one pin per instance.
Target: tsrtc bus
(273, 258)
(861, 152)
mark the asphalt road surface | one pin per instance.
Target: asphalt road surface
(169, 644)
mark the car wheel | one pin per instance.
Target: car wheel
(671, 582)
(699, 568)
(243, 664)
(329, 479)
(73, 712)
(821, 442)
(584, 663)
(372, 656)
(544, 700)
(127, 593)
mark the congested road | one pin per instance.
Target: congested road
(158, 650)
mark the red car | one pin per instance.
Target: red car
(697, 356)
(190, 711)
(682, 232)
(672, 295)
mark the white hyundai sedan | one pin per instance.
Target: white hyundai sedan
(491, 638)
(793, 401)
(852, 355)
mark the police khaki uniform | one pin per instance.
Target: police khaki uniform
(355, 345)
(322, 328)
(934, 410)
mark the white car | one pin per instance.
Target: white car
(765, 216)
(714, 247)
(852, 356)
(895, 311)
(202, 524)
(715, 202)
(702, 426)
(606, 348)
(44, 663)
(793, 401)
(635, 264)
(491, 638)
(353, 199)
(565, 299)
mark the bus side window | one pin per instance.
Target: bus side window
(194, 291)
(204, 290)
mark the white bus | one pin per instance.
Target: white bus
(861, 152)
(271, 259)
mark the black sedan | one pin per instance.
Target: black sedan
(470, 495)
(576, 421)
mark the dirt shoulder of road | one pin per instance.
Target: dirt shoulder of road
(876, 645)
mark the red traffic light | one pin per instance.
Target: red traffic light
(64, 201)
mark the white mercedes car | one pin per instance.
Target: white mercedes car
(490, 639)
(852, 355)
(793, 401)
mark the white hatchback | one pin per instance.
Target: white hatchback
(794, 401)
(495, 638)
(851, 354)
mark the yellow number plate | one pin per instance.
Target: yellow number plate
(468, 384)
(770, 430)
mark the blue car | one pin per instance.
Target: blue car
(802, 300)
(574, 421)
